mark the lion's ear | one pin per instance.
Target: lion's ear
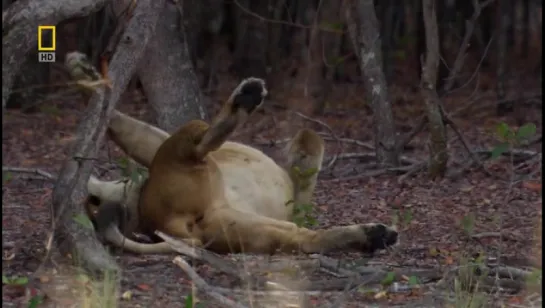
(120, 191)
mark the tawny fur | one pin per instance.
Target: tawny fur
(230, 196)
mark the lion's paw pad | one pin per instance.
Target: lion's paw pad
(250, 94)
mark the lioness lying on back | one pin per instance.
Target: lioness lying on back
(227, 195)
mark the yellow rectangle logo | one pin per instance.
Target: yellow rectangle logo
(53, 38)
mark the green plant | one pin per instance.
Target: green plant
(35, 301)
(83, 221)
(50, 110)
(466, 284)
(14, 281)
(190, 302)
(6, 177)
(302, 215)
(510, 137)
(388, 279)
(535, 278)
(99, 293)
(413, 281)
(468, 223)
(303, 212)
(130, 170)
(405, 220)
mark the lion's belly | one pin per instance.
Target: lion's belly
(253, 181)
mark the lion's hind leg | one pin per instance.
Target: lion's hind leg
(305, 153)
(230, 230)
(244, 100)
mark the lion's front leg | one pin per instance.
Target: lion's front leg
(228, 230)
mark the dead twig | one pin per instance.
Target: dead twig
(372, 156)
(369, 146)
(413, 170)
(518, 154)
(203, 285)
(460, 57)
(465, 144)
(201, 255)
(33, 171)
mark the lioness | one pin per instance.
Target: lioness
(207, 190)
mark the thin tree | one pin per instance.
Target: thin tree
(437, 164)
(364, 33)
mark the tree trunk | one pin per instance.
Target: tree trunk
(503, 106)
(363, 28)
(30, 84)
(437, 164)
(94, 32)
(484, 31)
(386, 21)
(167, 74)
(250, 57)
(330, 49)
(526, 32)
(204, 19)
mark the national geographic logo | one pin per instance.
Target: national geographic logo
(47, 41)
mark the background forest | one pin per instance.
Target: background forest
(431, 111)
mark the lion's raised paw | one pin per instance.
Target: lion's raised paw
(249, 94)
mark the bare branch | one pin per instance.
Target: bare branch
(473, 155)
(34, 171)
(201, 284)
(460, 57)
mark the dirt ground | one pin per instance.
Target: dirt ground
(433, 216)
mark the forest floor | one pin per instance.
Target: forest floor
(441, 222)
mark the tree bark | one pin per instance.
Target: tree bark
(20, 22)
(250, 56)
(28, 85)
(363, 28)
(438, 141)
(70, 189)
(503, 106)
(167, 73)
(330, 49)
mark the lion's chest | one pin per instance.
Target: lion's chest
(253, 182)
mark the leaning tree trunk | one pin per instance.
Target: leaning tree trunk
(364, 32)
(437, 164)
(70, 187)
(167, 73)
